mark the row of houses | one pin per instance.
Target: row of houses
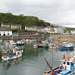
(12, 26)
(47, 29)
(6, 32)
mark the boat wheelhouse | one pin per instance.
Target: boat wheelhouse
(16, 54)
(65, 46)
(67, 67)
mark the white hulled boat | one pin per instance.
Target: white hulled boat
(16, 54)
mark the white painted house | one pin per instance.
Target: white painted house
(5, 32)
(40, 29)
(30, 28)
(72, 31)
(49, 29)
(16, 26)
(59, 30)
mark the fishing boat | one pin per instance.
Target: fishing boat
(67, 67)
(12, 42)
(63, 40)
(16, 54)
(20, 43)
(40, 45)
(2, 41)
(45, 46)
(52, 45)
(35, 46)
(65, 46)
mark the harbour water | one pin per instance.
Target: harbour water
(32, 62)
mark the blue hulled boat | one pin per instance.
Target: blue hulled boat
(20, 43)
(67, 67)
(65, 46)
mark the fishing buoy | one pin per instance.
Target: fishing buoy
(1, 58)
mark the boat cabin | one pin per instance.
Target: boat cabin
(68, 63)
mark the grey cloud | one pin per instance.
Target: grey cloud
(54, 11)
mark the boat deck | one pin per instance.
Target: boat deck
(64, 72)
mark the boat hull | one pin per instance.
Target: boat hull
(40, 46)
(66, 48)
(20, 44)
(46, 46)
(58, 71)
(10, 58)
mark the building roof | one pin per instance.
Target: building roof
(39, 27)
(52, 29)
(15, 24)
(30, 26)
(4, 29)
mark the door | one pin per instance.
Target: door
(71, 66)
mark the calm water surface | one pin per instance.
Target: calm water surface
(32, 62)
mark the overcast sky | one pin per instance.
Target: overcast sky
(60, 12)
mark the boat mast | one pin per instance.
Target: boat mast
(52, 55)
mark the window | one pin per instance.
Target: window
(72, 63)
(8, 33)
(64, 63)
(3, 34)
(68, 63)
(23, 33)
(26, 33)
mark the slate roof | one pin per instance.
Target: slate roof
(39, 27)
(15, 24)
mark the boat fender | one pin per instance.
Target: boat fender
(65, 67)
(61, 66)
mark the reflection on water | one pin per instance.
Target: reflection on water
(7, 64)
(32, 62)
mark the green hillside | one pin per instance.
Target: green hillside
(23, 20)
